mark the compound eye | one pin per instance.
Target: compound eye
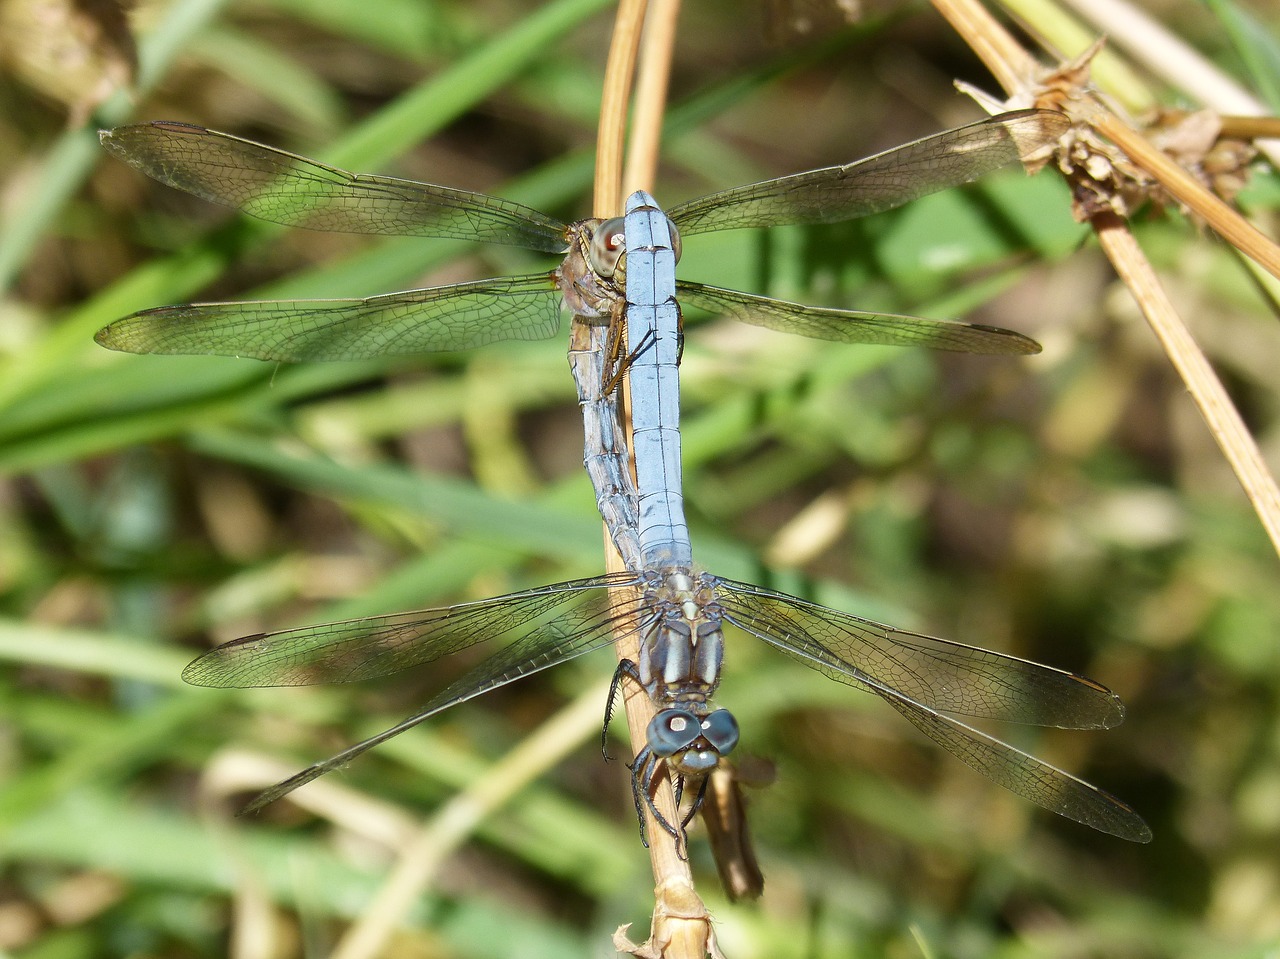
(673, 730)
(720, 729)
(676, 245)
(608, 243)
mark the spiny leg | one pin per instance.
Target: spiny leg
(626, 669)
(620, 363)
(643, 784)
(697, 802)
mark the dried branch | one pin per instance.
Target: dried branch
(681, 927)
(1019, 74)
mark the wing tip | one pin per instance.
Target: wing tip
(1013, 342)
(195, 673)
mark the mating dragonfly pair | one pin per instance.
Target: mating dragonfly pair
(617, 271)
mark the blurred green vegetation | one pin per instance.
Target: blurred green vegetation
(1070, 508)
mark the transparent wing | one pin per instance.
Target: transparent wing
(537, 623)
(285, 188)
(919, 675)
(854, 326)
(1024, 775)
(882, 182)
(931, 672)
(539, 628)
(440, 319)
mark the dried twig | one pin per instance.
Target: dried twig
(681, 927)
(1018, 72)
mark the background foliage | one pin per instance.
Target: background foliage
(1070, 508)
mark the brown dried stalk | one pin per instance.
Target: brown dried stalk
(681, 927)
(1018, 72)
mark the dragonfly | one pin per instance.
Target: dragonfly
(682, 651)
(539, 628)
(285, 188)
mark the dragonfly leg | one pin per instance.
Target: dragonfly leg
(615, 338)
(641, 774)
(697, 802)
(644, 776)
(622, 363)
(646, 768)
(626, 670)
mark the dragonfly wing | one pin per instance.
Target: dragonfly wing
(933, 673)
(538, 623)
(316, 770)
(724, 815)
(285, 188)
(1024, 775)
(1027, 776)
(576, 619)
(882, 182)
(461, 316)
(854, 326)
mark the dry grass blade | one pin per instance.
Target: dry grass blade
(1224, 420)
(1223, 220)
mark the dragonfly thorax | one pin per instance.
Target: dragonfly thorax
(683, 648)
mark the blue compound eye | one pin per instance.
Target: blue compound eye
(720, 729)
(673, 730)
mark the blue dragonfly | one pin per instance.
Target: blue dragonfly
(923, 677)
(682, 650)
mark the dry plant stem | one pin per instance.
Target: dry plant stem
(1251, 128)
(681, 927)
(1008, 61)
(1223, 220)
(611, 133)
(422, 857)
(651, 96)
(1215, 406)
(1011, 65)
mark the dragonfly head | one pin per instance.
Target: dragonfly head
(609, 245)
(590, 291)
(692, 744)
